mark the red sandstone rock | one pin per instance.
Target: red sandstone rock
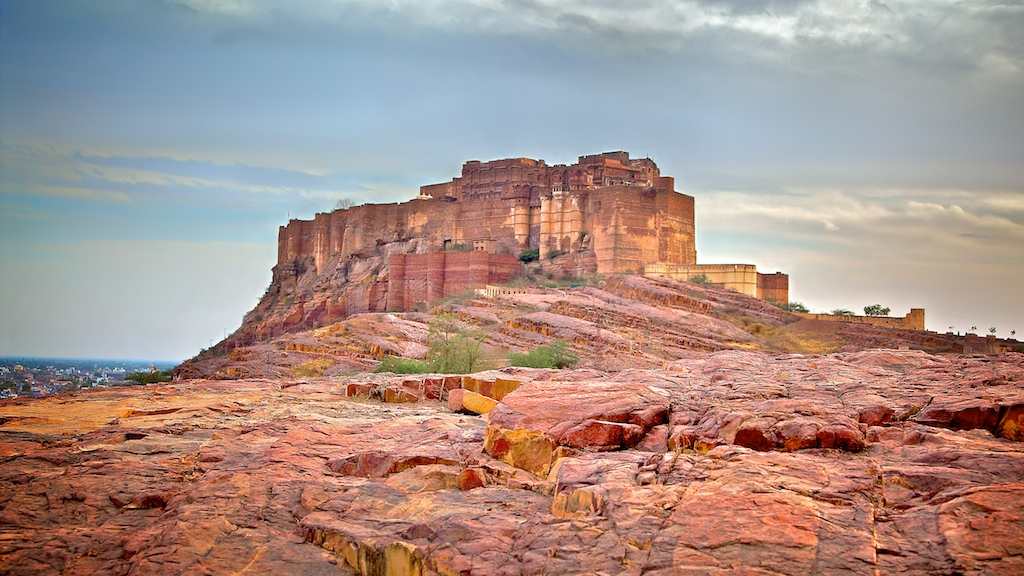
(252, 476)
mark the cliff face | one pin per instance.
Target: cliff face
(606, 214)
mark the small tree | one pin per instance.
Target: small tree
(530, 255)
(453, 350)
(992, 330)
(842, 312)
(876, 310)
(344, 204)
(700, 279)
(794, 307)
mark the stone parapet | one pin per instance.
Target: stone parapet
(914, 320)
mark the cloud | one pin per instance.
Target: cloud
(982, 33)
(88, 176)
(84, 193)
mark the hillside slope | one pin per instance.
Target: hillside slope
(616, 323)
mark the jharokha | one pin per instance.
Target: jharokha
(605, 214)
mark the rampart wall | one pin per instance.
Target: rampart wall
(914, 320)
(626, 227)
(773, 287)
(426, 278)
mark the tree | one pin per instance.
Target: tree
(700, 279)
(876, 310)
(842, 312)
(344, 204)
(992, 330)
(529, 255)
(453, 350)
(795, 307)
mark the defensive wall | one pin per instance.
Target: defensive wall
(427, 278)
(743, 278)
(914, 320)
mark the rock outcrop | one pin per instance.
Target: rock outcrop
(867, 462)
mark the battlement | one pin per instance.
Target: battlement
(531, 178)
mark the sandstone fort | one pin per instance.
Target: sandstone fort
(605, 214)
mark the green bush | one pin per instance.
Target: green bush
(876, 310)
(700, 279)
(531, 255)
(451, 350)
(842, 312)
(554, 355)
(149, 377)
(399, 365)
(794, 307)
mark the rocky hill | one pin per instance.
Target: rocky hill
(703, 432)
(614, 323)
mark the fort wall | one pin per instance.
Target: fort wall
(914, 320)
(426, 278)
(773, 287)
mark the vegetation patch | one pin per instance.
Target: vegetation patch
(531, 255)
(399, 365)
(554, 355)
(452, 349)
(876, 310)
(149, 377)
(793, 307)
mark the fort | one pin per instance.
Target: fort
(605, 214)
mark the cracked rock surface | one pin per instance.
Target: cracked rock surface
(869, 462)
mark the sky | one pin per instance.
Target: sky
(149, 150)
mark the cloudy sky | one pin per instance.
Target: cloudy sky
(149, 150)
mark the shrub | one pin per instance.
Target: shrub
(312, 368)
(399, 365)
(700, 279)
(876, 310)
(554, 355)
(531, 255)
(794, 307)
(842, 312)
(453, 350)
(555, 254)
(149, 376)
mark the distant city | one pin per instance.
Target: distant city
(37, 377)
